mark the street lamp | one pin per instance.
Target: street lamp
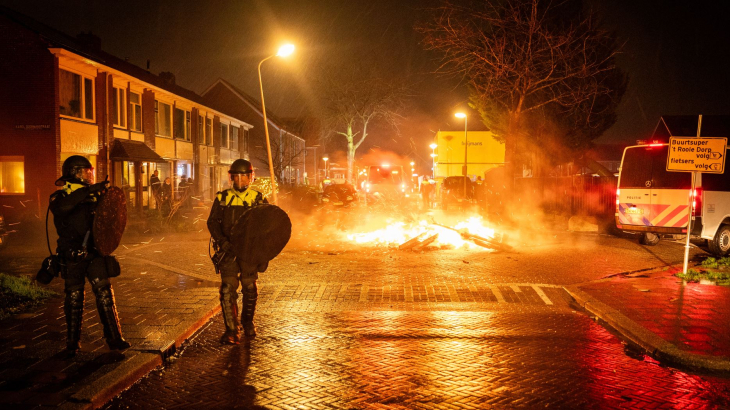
(325, 159)
(284, 51)
(433, 159)
(466, 146)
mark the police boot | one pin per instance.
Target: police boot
(229, 310)
(109, 319)
(250, 296)
(73, 307)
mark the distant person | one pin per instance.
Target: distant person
(155, 185)
(166, 197)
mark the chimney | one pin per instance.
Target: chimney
(89, 40)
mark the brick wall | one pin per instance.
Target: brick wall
(29, 124)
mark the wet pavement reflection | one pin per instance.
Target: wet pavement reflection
(427, 359)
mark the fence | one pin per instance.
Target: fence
(573, 195)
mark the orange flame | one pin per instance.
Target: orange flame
(398, 232)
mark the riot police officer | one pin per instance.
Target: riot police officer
(73, 209)
(228, 207)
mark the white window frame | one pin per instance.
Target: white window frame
(209, 131)
(157, 119)
(82, 93)
(228, 135)
(132, 120)
(186, 124)
(120, 101)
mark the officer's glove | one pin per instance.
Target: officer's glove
(227, 247)
(99, 187)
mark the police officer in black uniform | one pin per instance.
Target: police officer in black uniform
(227, 209)
(73, 209)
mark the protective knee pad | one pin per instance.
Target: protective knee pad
(104, 295)
(250, 289)
(75, 299)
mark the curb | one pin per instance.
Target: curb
(646, 339)
(98, 393)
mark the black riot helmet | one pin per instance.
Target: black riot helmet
(70, 167)
(241, 166)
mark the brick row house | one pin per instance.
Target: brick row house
(287, 147)
(63, 96)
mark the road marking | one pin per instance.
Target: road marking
(516, 288)
(364, 293)
(497, 293)
(320, 292)
(452, 293)
(409, 294)
(542, 295)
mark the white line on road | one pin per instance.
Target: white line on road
(516, 288)
(497, 293)
(542, 295)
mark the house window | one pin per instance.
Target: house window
(135, 116)
(163, 120)
(76, 95)
(245, 140)
(208, 131)
(201, 130)
(234, 137)
(182, 124)
(224, 135)
(119, 108)
(12, 175)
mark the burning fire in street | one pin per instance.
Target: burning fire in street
(470, 233)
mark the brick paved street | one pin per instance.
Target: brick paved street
(376, 328)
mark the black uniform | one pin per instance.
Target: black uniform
(227, 208)
(73, 211)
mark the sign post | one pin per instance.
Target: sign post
(695, 154)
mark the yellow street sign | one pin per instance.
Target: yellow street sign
(693, 154)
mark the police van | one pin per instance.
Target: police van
(654, 202)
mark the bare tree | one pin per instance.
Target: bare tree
(283, 154)
(353, 102)
(529, 63)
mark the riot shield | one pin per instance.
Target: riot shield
(110, 220)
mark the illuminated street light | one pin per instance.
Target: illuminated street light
(284, 51)
(466, 146)
(325, 159)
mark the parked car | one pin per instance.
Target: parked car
(339, 194)
(653, 202)
(453, 191)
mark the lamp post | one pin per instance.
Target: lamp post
(433, 158)
(284, 51)
(325, 159)
(466, 146)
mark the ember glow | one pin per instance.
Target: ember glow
(398, 232)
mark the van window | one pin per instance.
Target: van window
(636, 168)
(643, 164)
(661, 178)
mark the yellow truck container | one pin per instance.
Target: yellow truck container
(483, 153)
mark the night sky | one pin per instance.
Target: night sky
(676, 53)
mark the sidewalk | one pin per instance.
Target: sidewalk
(159, 307)
(684, 324)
